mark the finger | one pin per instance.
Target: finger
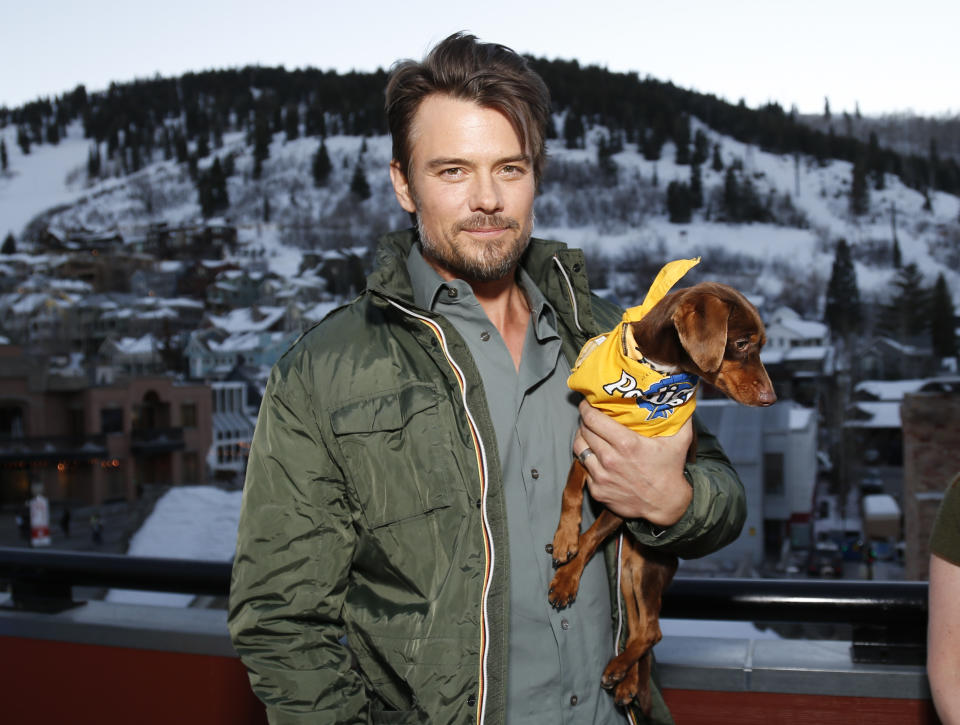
(583, 451)
(598, 426)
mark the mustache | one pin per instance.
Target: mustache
(485, 221)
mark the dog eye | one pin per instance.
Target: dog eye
(742, 343)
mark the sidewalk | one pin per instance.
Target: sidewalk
(113, 516)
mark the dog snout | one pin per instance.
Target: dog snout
(766, 397)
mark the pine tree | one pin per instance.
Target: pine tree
(167, 144)
(292, 122)
(203, 146)
(180, 144)
(573, 130)
(321, 165)
(701, 147)
(679, 206)
(717, 164)
(266, 210)
(696, 187)
(212, 190)
(94, 162)
(826, 108)
(9, 244)
(875, 162)
(315, 123)
(843, 312)
(3, 155)
(608, 167)
(731, 195)
(358, 185)
(859, 192)
(23, 140)
(261, 143)
(681, 138)
(906, 316)
(943, 320)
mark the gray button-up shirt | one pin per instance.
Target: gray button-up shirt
(556, 658)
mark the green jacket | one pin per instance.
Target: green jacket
(373, 508)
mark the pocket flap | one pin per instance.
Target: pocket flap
(390, 411)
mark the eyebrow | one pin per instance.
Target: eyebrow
(436, 163)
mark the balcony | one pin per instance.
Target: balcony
(177, 665)
(53, 448)
(147, 441)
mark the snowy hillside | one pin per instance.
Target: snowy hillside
(784, 262)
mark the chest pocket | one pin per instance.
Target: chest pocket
(397, 448)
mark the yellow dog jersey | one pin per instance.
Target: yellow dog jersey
(632, 392)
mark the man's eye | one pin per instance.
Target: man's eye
(452, 172)
(510, 169)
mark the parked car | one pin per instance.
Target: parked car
(825, 559)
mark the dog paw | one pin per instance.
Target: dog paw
(629, 689)
(563, 590)
(565, 547)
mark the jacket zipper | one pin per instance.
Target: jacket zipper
(619, 572)
(573, 297)
(483, 472)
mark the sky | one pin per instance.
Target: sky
(885, 56)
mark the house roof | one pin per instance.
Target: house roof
(888, 390)
(246, 320)
(883, 414)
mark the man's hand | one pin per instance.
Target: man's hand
(632, 475)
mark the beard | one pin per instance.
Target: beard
(478, 261)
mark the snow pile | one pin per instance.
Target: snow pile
(188, 522)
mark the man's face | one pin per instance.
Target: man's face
(471, 186)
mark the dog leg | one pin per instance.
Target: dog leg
(645, 577)
(566, 580)
(566, 539)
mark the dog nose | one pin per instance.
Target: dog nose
(766, 397)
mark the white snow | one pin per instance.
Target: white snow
(889, 390)
(39, 180)
(188, 522)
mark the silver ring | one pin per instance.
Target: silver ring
(584, 455)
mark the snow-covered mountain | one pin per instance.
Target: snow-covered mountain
(613, 222)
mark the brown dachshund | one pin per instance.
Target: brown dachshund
(711, 331)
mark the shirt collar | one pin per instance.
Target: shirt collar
(429, 286)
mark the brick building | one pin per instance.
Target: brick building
(87, 443)
(931, 458)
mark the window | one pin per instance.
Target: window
(188, 415)
(773, 473)
(111, 420)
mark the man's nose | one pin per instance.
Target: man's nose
(485, 195)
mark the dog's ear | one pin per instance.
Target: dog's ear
(701, 322)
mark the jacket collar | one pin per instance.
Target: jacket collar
(391, 279)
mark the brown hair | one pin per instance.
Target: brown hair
(491, 75)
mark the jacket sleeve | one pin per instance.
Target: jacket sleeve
(290, 572)
(716, 513)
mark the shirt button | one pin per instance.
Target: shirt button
(535, 473)
(564, 624)
(471, 701)
(548, 548)
(451, 293)
(574, 700)
(484, 335)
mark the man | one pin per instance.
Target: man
(404, 480)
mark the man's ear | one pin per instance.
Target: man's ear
(701, 323)
(401, 187)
